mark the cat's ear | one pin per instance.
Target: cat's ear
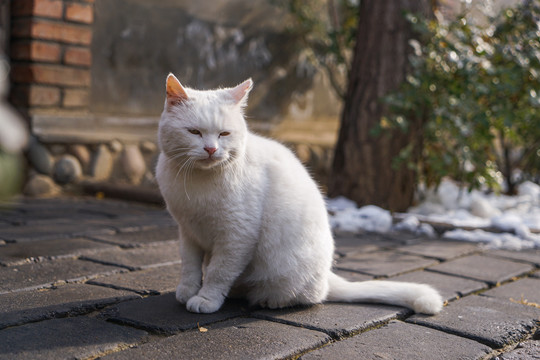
(175, 92)
(240, 92)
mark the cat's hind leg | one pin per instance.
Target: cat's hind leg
(282, 294)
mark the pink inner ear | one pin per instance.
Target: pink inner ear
(239, 92)
(175, 92)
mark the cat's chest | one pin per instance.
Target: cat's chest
(208, 222)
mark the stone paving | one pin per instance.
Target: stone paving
(86, 278)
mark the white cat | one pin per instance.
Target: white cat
(249, 215)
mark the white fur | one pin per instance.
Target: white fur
(249, 216)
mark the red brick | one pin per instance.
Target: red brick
(48, 30)
(35, 51)
(44, 96)
(78, 12)
(35, 95)
(50, 75)
(78, 56)
(75, 98)
(43, 8)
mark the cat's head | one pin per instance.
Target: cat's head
(203, 129)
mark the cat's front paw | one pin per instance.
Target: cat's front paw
(198, 304)
(184, 293)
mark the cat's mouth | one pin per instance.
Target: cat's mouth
(208, 162)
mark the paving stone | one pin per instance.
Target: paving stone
(20, 253)
(40, 215)
(163, 314)
(530, 255)
(387, 240)
(233, 339)
(140, 258)
(140, 238)
(4, 223)
(398, 340)
(146, 222)
(110, 208)
(55, 229)
(522, 289)
(383, 263)
(483, 268)
(42, 274)
(352, 276)
(441, 250)
(80, 337)
(336, 319)
(527, 350)
(151, 281)
(69, 299)
(484, 319)
(361, 243)
(81, 208)
(450, 287)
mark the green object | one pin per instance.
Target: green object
(11, 174)
(476, 89)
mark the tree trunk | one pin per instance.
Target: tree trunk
(362, 167)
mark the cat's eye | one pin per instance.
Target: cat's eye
(194, 131)
(225, 133)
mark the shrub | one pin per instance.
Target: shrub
(476, 88)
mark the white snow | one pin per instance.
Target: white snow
(368, 218)
(517, 217)
(492, 240)
(412, 224)
(340, 203)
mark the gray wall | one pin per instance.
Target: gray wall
(205, 43)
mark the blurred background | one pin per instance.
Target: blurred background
(375, 97)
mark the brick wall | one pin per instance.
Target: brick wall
(50, 54)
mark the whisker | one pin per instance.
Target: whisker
(181, 167)
(187, 173)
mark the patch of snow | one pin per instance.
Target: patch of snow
(492, 240)
(477, 209)
(511, 223)
(449, 195)
(412, 224)
(530, 190)
(427, 230)
(482, 207)
(340, 203)
(459, 217)
(368, 218)
(517, 216)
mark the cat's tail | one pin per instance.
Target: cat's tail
(418, 297)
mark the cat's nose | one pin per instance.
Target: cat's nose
(210, 150)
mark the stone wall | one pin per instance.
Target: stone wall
(63, 167)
